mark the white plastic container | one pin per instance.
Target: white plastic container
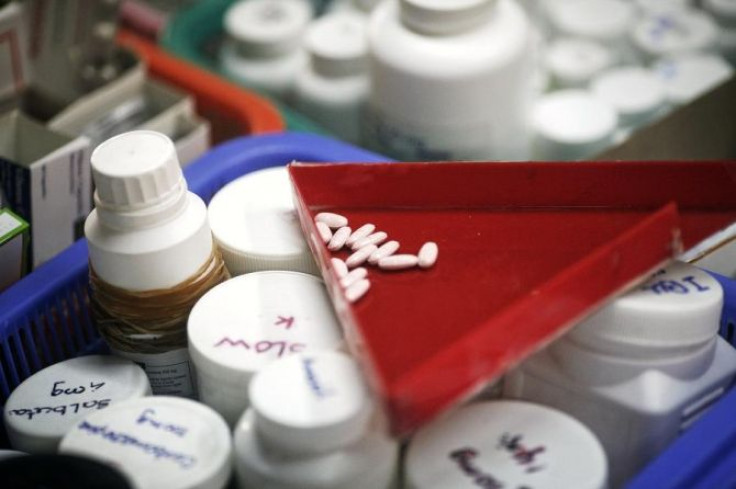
(310, 427)
(572, 124)
(674, 32)
(573, 62)
(333, 88)
(263, 49)
(450, 80)
(46, 405)
(157, 442)
(254, 222)
(500, 444)
(637, 94)
(688, 77)
(639, 371)
(249, 321)
(147, 232)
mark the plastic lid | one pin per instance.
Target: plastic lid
(338, 44)
(136, 169)
(688, 77)
(724, 10)
(60, 472)
(267, 27)
(636, 93)
(310, 403)
(676, 309)
(157, 442)
(603, 20)
(247, 322)
(675, 32)
(254, 221)
(572, 62)
(506, 444)
(46, 405)
(445, 16)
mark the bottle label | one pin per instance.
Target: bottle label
(169, 373)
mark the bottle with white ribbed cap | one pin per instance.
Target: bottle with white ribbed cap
(254, 222)
(450, 79)
(572, 62)
(675, 32)
(641, 370)
(688, 77)
(249, 321)
(310, 426)
(46, 405)
(501, 444)
(157, 442)
(263, 48)
(333, 88)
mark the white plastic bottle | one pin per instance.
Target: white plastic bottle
(641, 370)
(688, 77)
(501, 444)
(147, 233)
(311, 426)
(450, 80)
(674, 32)
(263, 49)
(333, 88)
(573, 62)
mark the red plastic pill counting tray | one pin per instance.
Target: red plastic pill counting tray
(525, 251)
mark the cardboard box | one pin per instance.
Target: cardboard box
(13, 248)
(46, 180)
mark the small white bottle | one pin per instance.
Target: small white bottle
(688, 77)
(639, 371)
(573, 62)
(263, 49)
(333, 88)
(157, 442)
(249, 321)
(674, 32)
(500, 444)
(147, 233)
(311, 426)
(46, 405)
(254, 222)
(450, 80)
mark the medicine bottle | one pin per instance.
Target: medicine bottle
(641, 370)
(46, 405)
(247, 322)
(674, 32)
(450, 80)
(151, 255)
(499, 444)
(573, 62)
(263, 48)
(311, 425)
(157, 442)
(333, 88)
(687, 77)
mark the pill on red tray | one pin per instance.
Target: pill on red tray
(427, 255)
(398, 262)
(331, 219)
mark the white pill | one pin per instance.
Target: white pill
(340, 268)
(324, 232)
(427, 254)
(373, 239)
(357, 290)
(360, 233)
(331, 219)
(360, 256)
(339, 238)
(386, 249)
(398, 262)
(352, 277)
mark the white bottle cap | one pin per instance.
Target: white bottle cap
(338, 44)
(602, 20)
(688, 77)
(266, 28)
(723, 10)
(157, 442)
(249, 321)
(675, 32)
(310, 403)
(46, 405)
(573, 62)
(254, 222)
(637, 94)
(514, 444)
(572, 124)
(445, 17)
(676, 310)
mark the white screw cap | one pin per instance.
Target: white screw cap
(444, 16)
(637, 94)
(338, 44)
(136, 169)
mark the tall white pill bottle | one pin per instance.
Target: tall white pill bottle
(450, 79)
(641, 370)
(312, 425)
